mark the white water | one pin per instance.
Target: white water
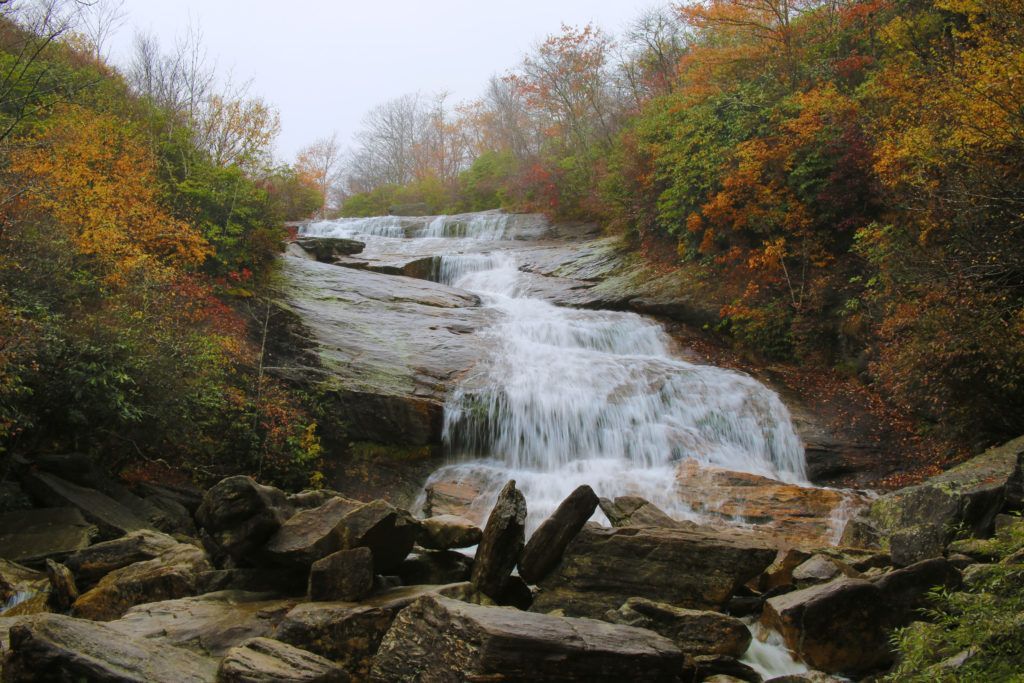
(768, 654)
(572, 397)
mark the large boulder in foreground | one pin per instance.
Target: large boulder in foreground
(344, 575)
(695, 632)
(501, 544)
(837, 627)
(53, 647)
(917, 522)
(691, 568)
(438, 639)
(549, 541)
(174, 574)
(388, 532)
(310, 534)
(262, 660)
(239, 516)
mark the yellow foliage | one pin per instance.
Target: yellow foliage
(96, 177)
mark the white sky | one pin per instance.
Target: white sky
(325, 64)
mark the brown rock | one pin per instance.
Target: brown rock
(697, 569)
(387, 531)
(240, 516)
(262, 660)
(445, 532)
(344, 575)
(31, 536)
(549, 541)
(93, 563)
(502, 542)
(438, 639)
(435, 567)
(694, 632)
(635, 511)
(310, 535)
(63, 591)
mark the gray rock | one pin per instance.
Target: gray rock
(916, 523)
(344, 575)
(31, 536)
(54, 647)
(548, 542)
(262, 660)
(91, 564)
(173, 574)
(111, 517)
(502, 542)
(347, 632)
(438, 639)
(240, 516)
(445, 532)
(817, 569)
(310, 535)
(695, 632)
(326, 249)
(696, 569)
(435, 567)
(209, 624)
(837, 627)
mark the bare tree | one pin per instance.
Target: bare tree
(651, 50)
(101, 19)
(320, 163)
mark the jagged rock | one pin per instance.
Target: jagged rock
(208, 624)
(31, 536)
(905, 590)
(311, 534)
(626, 511)
(817, 569)
(344, 575)
(174, 574)
(111, 517)
(780, 573)
(445, 532)
(386, 530)
(91, 564)
(696, 569)
(502, 542)
(437, 638)
(548, 542)
(346, 632)
(325, 249)
(435, 567)
(54, 647)
(837, 627)
(262, 660)
(240, 516)
(694, 632)
(63, 591)
(916, 523)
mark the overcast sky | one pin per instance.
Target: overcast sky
(324, 64)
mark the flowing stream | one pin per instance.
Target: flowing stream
(570, 397)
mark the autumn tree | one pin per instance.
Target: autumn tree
(319, 164)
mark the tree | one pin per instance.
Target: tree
(319, 163)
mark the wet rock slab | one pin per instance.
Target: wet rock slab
(389, 347)
(441, 639)
(33, 535)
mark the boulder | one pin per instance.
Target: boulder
(386, 530)
(780, 573)
(63, 591)
(549, 541)
(348, 633)
(54, 647)
(502, 542)
(454, 499)
(91, 564)
(696, 569)
(435, 567)
(111, 517)
(344, 575)
(917, 522)
(173, 574)
(905, 590)
(439, 639)
(325, 249)
(309, 535)
(209, 624)
(816, 569)
(694, 632)
(837, 627)
(240, 516)
(262, 660)
(31, 536)
(627, 511)
(445, 532)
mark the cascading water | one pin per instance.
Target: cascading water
(570, 397)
